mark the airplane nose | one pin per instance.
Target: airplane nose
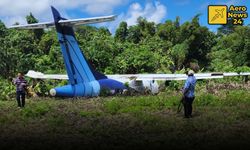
(52, 92)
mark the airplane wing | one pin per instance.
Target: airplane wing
(39, 75)
(69, 22)
(169, 77)
(129, 77)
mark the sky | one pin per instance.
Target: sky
(158, 11)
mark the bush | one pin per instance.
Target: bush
(42, 87)
(7, 90)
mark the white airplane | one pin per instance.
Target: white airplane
(142, 82)
(83, 80)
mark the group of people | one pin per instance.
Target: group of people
(188, 92)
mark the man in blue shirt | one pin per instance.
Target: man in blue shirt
(188, 93)
(21, 84)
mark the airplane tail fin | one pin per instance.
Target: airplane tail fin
(56, 14)
(82, 77)
(77, 67)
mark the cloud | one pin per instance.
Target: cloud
(152, 11)
(103, 6)
(13, 9)
(16, 10)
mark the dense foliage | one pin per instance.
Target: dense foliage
(142, 48)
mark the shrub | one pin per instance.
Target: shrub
(7, 90)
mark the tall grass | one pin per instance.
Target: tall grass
(148, 120)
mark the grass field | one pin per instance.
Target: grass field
(128, 122)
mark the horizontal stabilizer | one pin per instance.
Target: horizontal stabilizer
(70, 22)
(83, 21)
(34, 26)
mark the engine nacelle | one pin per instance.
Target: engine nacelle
(143, 85)
(88, 89)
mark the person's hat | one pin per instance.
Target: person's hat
(190, 72)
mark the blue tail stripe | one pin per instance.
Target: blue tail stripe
(66, 59)
(80, 63)
(83, 79)
(77, 68)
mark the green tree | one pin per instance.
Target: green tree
(121, 32)
(167, 31)
(178, 53)
(30, 20)
(199, 39)
(4, 52)
(47, 41)
(232, 50)
(227, 28)
(147, 28)
(134, 34)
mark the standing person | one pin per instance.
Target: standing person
(21, 84)
(188, 94)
